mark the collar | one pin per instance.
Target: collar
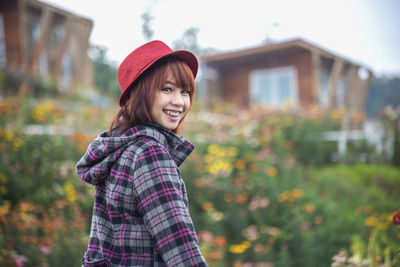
(178, 147)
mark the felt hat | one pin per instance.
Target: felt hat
(143, 57)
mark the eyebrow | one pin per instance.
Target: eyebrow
(170, 82)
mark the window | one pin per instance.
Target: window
(274, 86)
(341, 92)
(323, 93)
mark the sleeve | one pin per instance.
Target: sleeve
(161, 203)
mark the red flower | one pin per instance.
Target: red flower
(396, 217)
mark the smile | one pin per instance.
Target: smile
(172, 113)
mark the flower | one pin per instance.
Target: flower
(219, 241)
(240, 248)
(372, 221)
(207, 206)
(240, 164)
(308, 208)
(304, 226)
(19, 260)
(251, 233)
(318, 219)
(45, 249)
(271, 171)
(396, 218)
(206, 236)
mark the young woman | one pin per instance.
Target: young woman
(140, 215)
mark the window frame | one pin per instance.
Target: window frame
(293, 84)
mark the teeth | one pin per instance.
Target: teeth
(172, 113)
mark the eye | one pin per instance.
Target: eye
(166, 89)
(185, 92)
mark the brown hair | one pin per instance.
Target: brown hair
(136, 108)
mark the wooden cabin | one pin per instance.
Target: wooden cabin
(41, 40)
(275, 73)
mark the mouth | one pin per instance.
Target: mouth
(172, 113)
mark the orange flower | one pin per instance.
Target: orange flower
(207, 206)
(318, 219)
(259, 248)
(288, 145)
(198, 182)
(240, 164)
(241, 198)
(228, 197)
(253, 168)
(219, 241)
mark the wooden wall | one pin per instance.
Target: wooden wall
(11, 21)
(235, 75)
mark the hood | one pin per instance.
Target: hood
(95, 165)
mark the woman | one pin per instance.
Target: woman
(140, 215)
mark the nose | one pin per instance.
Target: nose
(177, 99)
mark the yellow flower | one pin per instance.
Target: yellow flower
(357, 211)
(232, 151)
(371, 221)
(337, 114)
(5, 208)
(3, 190)
(3, 179)
(240, 248)
(71, 193)
(308, 208)
(271, 171)
(216, 215)
(283, 196)
(213, 149)
(297, 193)
(318, 219)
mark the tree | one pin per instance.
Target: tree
(105, 72)
(146, 26)
(384, 91)
(189, 42)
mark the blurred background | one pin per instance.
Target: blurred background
(296, 124)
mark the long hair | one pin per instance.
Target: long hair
(136, 109)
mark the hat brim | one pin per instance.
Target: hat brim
(186, 56)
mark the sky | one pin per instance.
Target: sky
(364, 31)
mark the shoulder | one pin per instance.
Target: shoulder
(147, 148)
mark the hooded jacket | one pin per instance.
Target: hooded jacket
(140, 214)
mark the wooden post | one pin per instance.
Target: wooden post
(334, 81)
(45, 22)
(316, 74)
(62, 48)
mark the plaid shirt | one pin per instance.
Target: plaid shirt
(140, 214)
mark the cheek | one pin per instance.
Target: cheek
(187, 102)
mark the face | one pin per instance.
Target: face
(170, 104)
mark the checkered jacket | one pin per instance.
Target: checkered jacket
(140, 214)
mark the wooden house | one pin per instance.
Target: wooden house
(41, 40)
(274, 73)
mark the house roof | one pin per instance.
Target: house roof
(271, 48)
(59, 10)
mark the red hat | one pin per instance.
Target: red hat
(140, 59)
